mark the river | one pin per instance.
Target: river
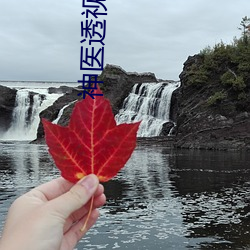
(162, 199)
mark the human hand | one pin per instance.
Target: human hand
(50, 216)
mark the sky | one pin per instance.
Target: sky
(40, 39)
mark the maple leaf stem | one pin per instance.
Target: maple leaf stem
(84, 228)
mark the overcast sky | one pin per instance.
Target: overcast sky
(40, 39)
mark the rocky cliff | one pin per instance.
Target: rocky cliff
(209, 114)
(117, 84)
(211, 108)
(7, 104)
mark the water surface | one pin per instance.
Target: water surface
(161, 200)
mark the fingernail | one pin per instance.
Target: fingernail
(89, 182)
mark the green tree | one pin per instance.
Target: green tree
(216, 98)
(245, 28)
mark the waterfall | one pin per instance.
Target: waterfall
(61, 112)
(25, 117)
(149, 103)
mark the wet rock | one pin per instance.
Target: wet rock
(51, 113)
(166, 128)
(7, 105)
(60, 90)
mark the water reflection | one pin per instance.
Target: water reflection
(26, 164)
(214, 187)
(160, 200)
(22, 167)
(142, 209)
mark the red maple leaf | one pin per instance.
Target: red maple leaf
(92, 142)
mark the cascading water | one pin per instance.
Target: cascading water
(25, 117)
(20, 113)
(61, 112)
(149, 103)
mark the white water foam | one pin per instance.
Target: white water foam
(61, 112)
(25, 117)
(149, 103)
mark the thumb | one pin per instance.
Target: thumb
(76, 197)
